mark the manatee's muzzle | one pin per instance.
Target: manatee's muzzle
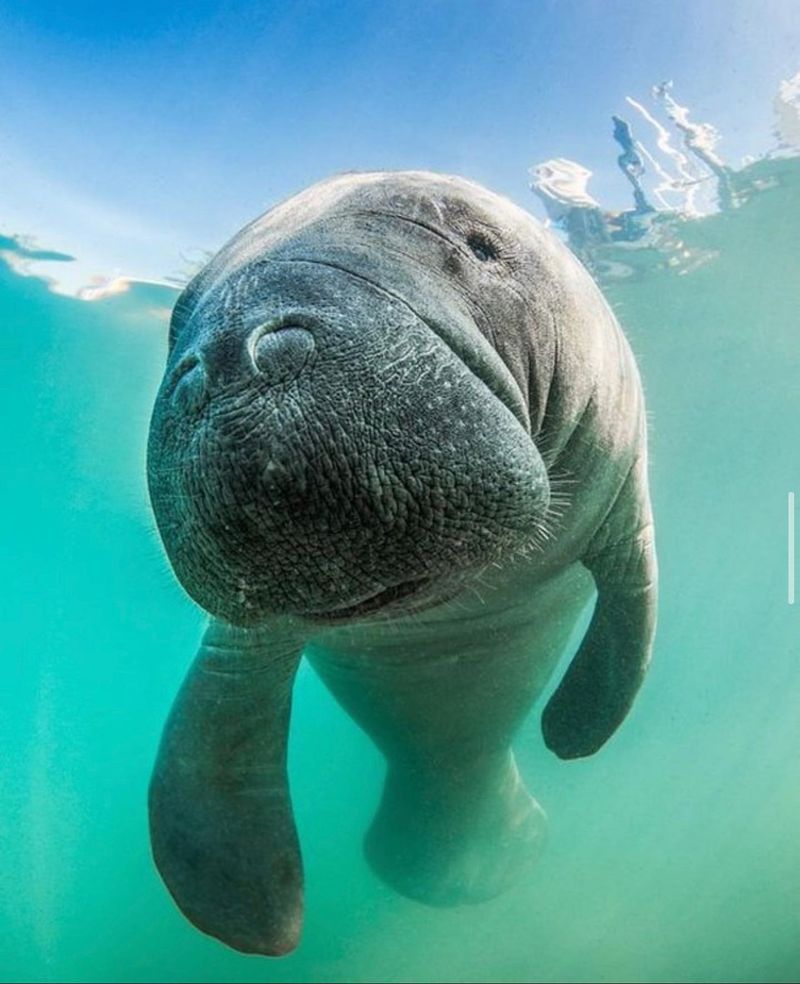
(273, 354)
(332, 458)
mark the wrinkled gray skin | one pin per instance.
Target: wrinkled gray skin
(399, 430)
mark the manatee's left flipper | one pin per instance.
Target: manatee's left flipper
(221, 823)
(600, 685)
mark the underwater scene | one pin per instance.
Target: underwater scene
(671, 852)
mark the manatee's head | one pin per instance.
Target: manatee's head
(344, 427)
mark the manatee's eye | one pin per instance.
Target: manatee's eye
(482, 246)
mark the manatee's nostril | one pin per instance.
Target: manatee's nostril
(189, 383)
(281, 354)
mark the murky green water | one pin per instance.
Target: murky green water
(673, 853)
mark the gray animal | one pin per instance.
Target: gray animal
(399, 431)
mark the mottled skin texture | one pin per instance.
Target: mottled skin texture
(401, 431)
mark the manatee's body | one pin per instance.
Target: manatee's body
(400, 430)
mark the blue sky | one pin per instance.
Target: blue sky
(131, 134)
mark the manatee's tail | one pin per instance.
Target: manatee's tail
(457, 833)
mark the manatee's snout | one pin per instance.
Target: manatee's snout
(273, 353)
(319, 450)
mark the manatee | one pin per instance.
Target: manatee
(400, 432)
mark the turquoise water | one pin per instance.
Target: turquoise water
(673, 853)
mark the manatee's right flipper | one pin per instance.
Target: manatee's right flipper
(221, 824)
(602, 681)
